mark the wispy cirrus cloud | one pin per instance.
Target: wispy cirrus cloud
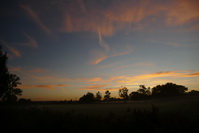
(46, 86)
(36, 19)
(102, 43)
(31, 41)
(99, 56)
(14, 51)
(98, 60)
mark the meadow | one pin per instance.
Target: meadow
(185, 105)
(157, 115)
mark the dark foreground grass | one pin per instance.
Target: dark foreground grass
(135, 120)
(32, 119)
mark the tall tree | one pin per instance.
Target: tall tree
(8, 81)
(123, 93)
(107, 95)
(98, 96)
(3, 71)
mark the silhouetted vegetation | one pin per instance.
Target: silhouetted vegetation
(143, 93)
(169, 89)
(24, 101)
(8, 81)
(123, 93)
(107, 95)
(88, 98)
(193, 93)
(98, 96)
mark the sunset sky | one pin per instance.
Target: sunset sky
(62, 49)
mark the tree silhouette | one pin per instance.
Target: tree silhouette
(141, 94)
(123, 93)
(8, 81)
(88, 98)
(107, 95)
(136, 96)
(143, 90)
(169, 89)
(193, 92)
(98, 96)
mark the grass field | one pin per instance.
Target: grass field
(184, 105)
(163, 115)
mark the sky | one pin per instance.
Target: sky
(62, 49)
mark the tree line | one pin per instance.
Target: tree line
(143, 93)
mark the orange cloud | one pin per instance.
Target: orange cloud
(97, 56)
(129, 79)
(116, 16)
(36, 19)
(98, 60)
(94, 87)
(182, 11)
(196, 74)
(129, 15)
(100, 88)
(50, 87)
